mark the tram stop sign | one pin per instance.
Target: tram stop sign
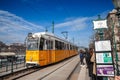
(104, 58)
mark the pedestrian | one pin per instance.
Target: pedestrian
(93, 68)
(90, 63)
(87, 57)
(81, 57)
(94, 76)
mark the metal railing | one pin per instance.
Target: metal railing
(10, 65)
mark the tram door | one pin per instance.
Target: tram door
(65, 46)
(49, 44)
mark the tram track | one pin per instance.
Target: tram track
(75, 72)
(60, 71)
(54, 70)
(48, 71)
(68, 78)
(28, 72)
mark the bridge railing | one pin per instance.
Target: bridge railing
(11, 64)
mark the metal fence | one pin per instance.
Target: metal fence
(11, 64)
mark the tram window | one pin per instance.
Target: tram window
(62, 46)
(73, 47)
(49, 44)
(41, 43)
(68, 46)
(45, 45)
(32, 45)
(58, 45)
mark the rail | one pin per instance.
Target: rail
(54, 70)
(19, 73)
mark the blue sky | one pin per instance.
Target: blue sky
(19, 17)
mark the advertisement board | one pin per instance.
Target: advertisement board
(102, 45)
(104, 57)
(105, 70)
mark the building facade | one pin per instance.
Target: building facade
(113, 31)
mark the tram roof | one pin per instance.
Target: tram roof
(43, 33)
(7, 54)
(52, 35)
(48, 34)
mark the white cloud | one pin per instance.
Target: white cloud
(74, 24)
(13, 27)
(16, 22)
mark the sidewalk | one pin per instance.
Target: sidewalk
(83, 75)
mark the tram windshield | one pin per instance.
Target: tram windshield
(32, 44)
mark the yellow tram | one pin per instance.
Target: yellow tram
(45, 48)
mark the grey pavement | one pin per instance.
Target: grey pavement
(83, 75)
